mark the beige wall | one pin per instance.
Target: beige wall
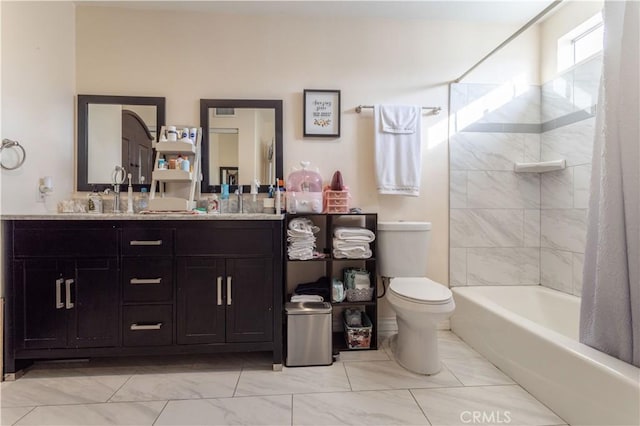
(568, 16)
(186, 56)
(370, 60)
(38, 88)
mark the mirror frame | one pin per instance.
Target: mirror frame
(205, 104)
(82, 158)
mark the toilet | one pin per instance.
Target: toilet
(419, 303)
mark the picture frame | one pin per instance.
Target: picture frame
(321, 113)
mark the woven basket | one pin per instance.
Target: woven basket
(359, 294)
(359, 337)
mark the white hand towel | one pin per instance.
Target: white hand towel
(398, 137)
(400, 119)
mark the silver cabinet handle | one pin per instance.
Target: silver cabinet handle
(219, 291)
(138, 327)
(145, 280)
(67, 285)
(59, 303)
(145, 243)
(228, 290)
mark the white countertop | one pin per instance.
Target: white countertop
(145, 216)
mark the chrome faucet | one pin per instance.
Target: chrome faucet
(116, 198)
(119, 175)
(240, 203)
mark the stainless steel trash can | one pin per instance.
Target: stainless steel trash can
(308, 334)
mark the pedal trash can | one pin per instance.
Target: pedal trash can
(308, 334)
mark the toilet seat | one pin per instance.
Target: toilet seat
(420, 290)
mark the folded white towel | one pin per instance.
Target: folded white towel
(354, 234)
(353, 253)
(306, 298)
(400, 119)
(398, 140)
(347, 245)
(303, 225)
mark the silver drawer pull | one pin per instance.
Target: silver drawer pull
(68, 303)
(145, 243)
(219, 281)
(228, 290)
(145, 280)
(137, 327)
(59, 304)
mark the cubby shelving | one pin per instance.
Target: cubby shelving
(298, 271)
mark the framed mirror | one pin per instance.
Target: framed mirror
(241, 142)
(117, 130)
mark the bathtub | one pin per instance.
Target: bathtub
(531, 333)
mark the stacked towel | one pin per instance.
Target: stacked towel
(301, 239)
(352, 243)
(320, 288)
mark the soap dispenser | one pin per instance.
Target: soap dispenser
(95, 201)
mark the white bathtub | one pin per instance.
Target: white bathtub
(531, 333)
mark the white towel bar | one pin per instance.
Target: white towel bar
(434, 110)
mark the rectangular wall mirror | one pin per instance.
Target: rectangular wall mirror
(242, 141)
(117, 130)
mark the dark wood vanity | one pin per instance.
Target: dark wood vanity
(111, 287)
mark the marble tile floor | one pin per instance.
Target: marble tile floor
(361, 388)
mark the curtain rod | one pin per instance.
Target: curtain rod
(434, 110)
(510, 39)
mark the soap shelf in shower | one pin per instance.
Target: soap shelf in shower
(540, 167)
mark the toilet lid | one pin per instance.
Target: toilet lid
(421, 290)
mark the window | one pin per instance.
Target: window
(581, 43)
(588, 43)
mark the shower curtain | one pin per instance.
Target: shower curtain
(610, 310)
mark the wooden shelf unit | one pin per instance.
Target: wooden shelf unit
(332, 268)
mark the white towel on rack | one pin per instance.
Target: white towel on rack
(398, 137)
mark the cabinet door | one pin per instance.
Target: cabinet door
(40, 312)
(93, 319)
(201, 296)
(249, 316)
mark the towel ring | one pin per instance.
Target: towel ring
(8, 143)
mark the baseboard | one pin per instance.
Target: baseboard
(389, 324)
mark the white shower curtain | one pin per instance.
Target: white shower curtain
(610, 311)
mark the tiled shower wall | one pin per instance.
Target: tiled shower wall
(512, 228)
(568, 109)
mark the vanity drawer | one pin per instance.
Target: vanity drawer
(147, 242)
(147, 279)
(224, 241)
(147, 325)
(79, 239)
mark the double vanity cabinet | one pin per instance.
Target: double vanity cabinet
(137, 285)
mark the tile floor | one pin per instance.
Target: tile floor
(362, 388)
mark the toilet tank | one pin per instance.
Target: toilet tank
(402, 248)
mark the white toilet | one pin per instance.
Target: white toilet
(418, 302)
